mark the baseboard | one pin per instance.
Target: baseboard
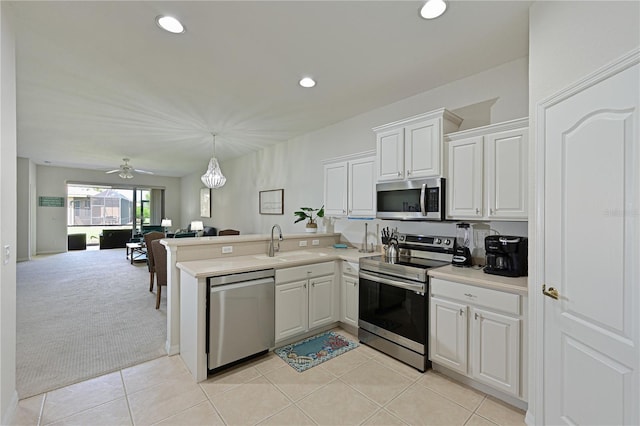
(509, 399)
(171, 350)
(9, 416)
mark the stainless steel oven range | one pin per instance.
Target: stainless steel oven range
(393, 298)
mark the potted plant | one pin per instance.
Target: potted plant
(307, 213)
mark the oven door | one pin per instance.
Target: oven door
(395, 309)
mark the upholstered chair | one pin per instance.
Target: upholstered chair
(228, 232)
(148, 237)
(160, 256)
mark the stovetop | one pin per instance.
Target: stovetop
(417, 254)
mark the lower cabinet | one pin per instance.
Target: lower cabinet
(349, 294)
(478, 332)
(305, 299)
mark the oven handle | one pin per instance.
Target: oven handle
(413, 287)
(423, 193)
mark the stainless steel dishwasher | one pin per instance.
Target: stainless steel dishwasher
(241, 312)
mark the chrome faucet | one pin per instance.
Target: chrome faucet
(272, 248)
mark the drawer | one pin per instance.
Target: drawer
(350, 268)
(303, 272)
(480, 296)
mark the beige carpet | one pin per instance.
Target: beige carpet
(82, 314)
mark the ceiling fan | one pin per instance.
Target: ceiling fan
(126, 169)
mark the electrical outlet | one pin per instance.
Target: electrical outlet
(315, 242)
(227, 249)
(302, 243)
(7, 254)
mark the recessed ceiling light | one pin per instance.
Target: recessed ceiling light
(307, 82)
(433, 8)
(171, 24)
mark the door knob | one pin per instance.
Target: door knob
(552, 292)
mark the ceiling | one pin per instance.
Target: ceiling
(99, 81)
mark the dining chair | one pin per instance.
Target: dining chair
(160, 256)
(148, 237)
(228, 232)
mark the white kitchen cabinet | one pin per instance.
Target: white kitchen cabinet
(487, 172)
(448, 332)
(349, 186)
(306, 298)
(413, 148)
(477, 332)
(349, 294)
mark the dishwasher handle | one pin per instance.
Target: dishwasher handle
(251, 283)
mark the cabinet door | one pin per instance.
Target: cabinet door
(390, 155)
(423, 149)
(335, 189)
(507, 174)
(362, 188)
(349, 300)
(448, 334)
(464, 184)
(291, 309)
(495, 350)
(322, 309)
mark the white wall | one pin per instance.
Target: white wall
(8, 394)
(51, 222)
(567, 41)
(493, 96)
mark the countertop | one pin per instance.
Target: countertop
(476, 276)
(236, 264)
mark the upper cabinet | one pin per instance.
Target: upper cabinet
(487, 172)
(413, 148)
(349, 186)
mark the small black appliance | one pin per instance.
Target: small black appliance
(461, 252)
(506, 255)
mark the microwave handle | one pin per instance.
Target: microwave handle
(423, 196)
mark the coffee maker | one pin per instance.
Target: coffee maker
(506, 255)
(461, 252)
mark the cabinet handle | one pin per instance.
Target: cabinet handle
(408, 172)
(490, 211)
(304, 286)
(476, 316)
(399, 174)
(469, 295)
(355, 284)
(344, 211)
(477, 211)
(461, 312)
(313, 284)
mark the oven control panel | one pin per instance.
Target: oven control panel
(426, 242)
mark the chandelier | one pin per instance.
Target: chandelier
(213, 178)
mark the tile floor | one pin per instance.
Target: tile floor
(360, 387)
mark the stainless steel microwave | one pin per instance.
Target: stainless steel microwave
(420, 199)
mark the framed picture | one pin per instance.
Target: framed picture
(271, 202)
(205, 202)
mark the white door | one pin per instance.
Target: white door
(321, 306)
(362, 187)
(448, 334)
(592, 251)
(507, 174)
(291, 309)
(422, 152)
(349, 300)
(335, 189)
(495, 349)
(390, 155)
(464, 187)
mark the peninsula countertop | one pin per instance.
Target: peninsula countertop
(236, 264)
